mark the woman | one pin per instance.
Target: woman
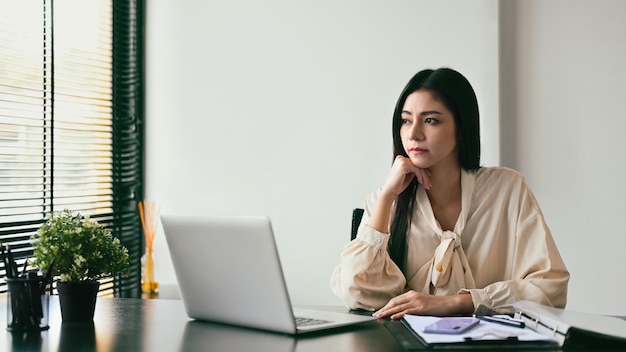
(444, 235)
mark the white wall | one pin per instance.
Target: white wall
(564, 127)
(283, 108)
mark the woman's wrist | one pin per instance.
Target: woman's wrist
(464, 303)
(379, 220)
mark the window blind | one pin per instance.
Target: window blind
(70, 133)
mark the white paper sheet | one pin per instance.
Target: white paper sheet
(483, 331)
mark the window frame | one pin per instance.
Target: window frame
(127, 144)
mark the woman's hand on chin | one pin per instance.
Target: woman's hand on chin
(402, 173)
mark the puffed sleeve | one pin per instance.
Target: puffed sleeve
(366, 277)
(538, 272)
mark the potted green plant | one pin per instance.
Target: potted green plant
(81, 251)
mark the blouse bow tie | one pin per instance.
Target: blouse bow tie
(449, 269)
(442, 260)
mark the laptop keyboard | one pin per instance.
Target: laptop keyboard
(300, 321)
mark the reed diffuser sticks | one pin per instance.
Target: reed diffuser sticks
(149, 214)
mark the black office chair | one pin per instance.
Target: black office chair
(357, 215)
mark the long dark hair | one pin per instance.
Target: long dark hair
(457, 94)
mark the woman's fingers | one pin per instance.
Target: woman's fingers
(411, 302)
(405, 169)
(402, 173)
(399, 177)
(423, 177)
(397, 305)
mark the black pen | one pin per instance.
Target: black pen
(5, 261)
(504, 320)
(48, 277)
(11, 270)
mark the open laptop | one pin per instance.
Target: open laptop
(228, 271)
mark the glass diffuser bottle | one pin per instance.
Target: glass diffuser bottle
(148, 213)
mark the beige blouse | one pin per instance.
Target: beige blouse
(500, 251)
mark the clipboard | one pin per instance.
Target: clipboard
(570, 328)
(409, 333)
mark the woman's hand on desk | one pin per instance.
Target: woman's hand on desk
(413, 302)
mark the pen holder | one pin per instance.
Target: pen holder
(27, 304)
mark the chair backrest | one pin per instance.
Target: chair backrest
(357, 215)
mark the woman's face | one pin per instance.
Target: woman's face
(428, 131)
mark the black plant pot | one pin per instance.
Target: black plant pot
(77, 300)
